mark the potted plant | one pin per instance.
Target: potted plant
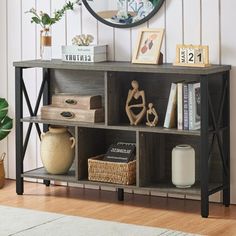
(5, 128)
(46, 21)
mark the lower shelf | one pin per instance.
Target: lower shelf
(41, 173)
(170, 188)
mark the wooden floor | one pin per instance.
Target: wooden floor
(136, 209)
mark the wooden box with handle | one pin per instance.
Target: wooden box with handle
(74, 114)
(77, 101)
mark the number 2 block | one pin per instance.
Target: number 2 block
(191, 55)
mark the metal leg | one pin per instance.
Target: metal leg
(204, 148)
(46, 101)
(46, 182)
(226, 142)
(120, 194)
(46, 92)
(19, 130)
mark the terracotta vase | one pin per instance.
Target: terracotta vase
(57, 150)
(2, 171)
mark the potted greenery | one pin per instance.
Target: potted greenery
(5, 128)
(46, 21)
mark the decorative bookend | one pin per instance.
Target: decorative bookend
(151, 116)
(135, 104)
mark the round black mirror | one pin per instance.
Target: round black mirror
(123, 13)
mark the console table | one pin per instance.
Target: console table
(153, 144)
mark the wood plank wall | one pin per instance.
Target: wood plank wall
(185, 21)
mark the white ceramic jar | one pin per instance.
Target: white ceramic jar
(183, 166)
(57, 150)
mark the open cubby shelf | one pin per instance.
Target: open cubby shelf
(112, 80)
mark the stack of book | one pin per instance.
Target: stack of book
(183, 109)
(92, 53)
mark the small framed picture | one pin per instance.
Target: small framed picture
(148, 46)
(192, 55)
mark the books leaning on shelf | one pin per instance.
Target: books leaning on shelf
(170, 118)
(183, 109)
(194, 99)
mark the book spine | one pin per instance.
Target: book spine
(83, 49)
(171, 107)
(196, 106)
(185, 107)
(190, 105)
(84, 58)
(180, 106)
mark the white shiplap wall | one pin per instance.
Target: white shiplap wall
(185, 21)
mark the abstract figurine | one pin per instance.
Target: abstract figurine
(135, 104)
(151, 112)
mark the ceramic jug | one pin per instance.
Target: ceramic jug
(57, 150)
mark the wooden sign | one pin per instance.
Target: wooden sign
(192, 55)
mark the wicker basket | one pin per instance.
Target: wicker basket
(111, 172)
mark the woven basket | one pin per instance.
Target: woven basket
(111, 172)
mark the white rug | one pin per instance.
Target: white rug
(23, 222)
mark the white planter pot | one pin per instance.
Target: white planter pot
(183, 166)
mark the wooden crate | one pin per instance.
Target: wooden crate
(111, 172)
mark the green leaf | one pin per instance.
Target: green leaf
(53, 21)
(5, 121)
(5, 127)
(46, 19)
(3, 108)
(35, 20)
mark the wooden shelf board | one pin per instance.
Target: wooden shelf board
(122, 66)
(41, 173)
(125, 127)
(170, 188)
(97, 183)
(38, 119)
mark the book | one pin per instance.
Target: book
(190, 106)
(185, 107)
(194, 106)
(91, 53)
(170, 117)
(120, 152)
(180, 106)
